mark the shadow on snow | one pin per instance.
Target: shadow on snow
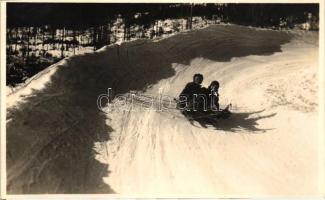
(237, 122)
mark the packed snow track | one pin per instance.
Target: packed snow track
(58, 141)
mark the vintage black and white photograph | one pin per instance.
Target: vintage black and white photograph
(162, 99)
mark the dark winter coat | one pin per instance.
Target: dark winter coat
(191, 89)
(212, 98)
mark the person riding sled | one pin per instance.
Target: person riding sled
(188, 98)
(212, 95)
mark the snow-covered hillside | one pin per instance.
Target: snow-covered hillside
(58, 141)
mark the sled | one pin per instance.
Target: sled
(221, 114)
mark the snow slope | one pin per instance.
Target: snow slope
(59, 142)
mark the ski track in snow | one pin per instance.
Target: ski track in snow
(59, 142)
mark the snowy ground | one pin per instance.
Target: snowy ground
(59, 142)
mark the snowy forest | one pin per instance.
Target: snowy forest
(39, 35)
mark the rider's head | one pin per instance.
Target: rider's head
(214, 85)
(198, 78)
